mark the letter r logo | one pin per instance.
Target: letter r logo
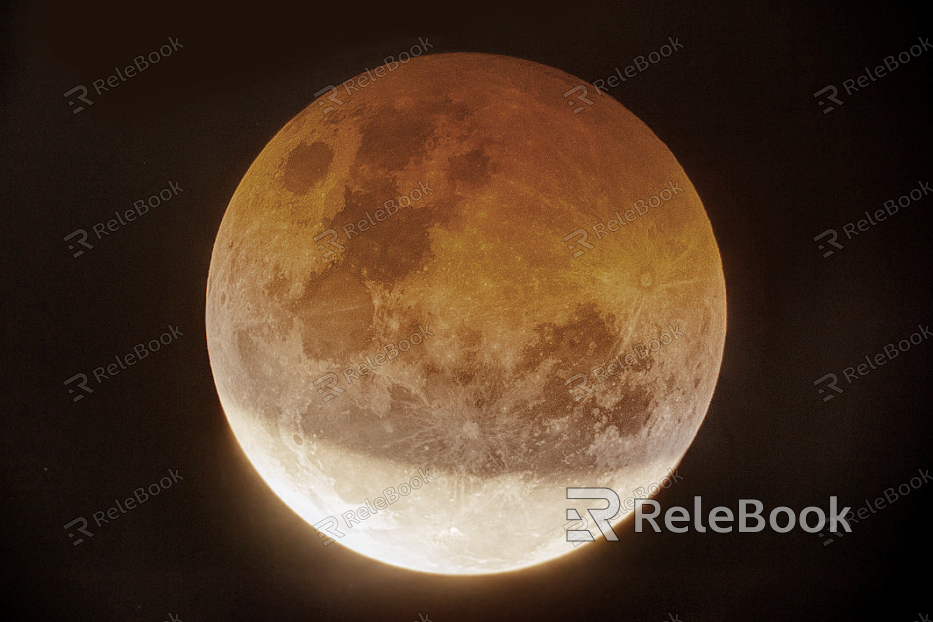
(582, 390)
(82, 241)
(331, 388)
(601, 516)
(330, 524)
(82, 97)
(833, 379)
(580, 534)
(82, 529)
(332, 97)
(332, 241)
(582, 242)
(581, 97)
(831, 240)
(831, 98)
(82, 384)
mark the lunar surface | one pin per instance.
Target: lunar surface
(400, 299)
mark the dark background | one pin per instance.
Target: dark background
(735, 106)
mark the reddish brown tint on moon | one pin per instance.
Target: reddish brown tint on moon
(479, 265)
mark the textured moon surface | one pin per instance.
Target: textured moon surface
(312, 291)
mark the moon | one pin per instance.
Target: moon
(534, 360)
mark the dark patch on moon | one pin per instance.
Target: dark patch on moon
(470, 171)
(249, 355)
(278, 286)
(468, 414)
(391, 138)
(581, 343)
(335, 316)
(255, 374)
(306, 166)
(633, 409)
(390, 250)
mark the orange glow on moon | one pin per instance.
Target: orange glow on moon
(478, 265)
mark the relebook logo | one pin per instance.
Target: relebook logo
(330, 524)
(580, 534)
(880, 503)
(140, 207)
(139, 65)
(139, 496)
(140, 351)
(331, 382)
(722, 514)
(830, 380)
(870, 76)
(890, 209)
(718, 519)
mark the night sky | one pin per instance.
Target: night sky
(735, 105)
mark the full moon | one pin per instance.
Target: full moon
(450, 289)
